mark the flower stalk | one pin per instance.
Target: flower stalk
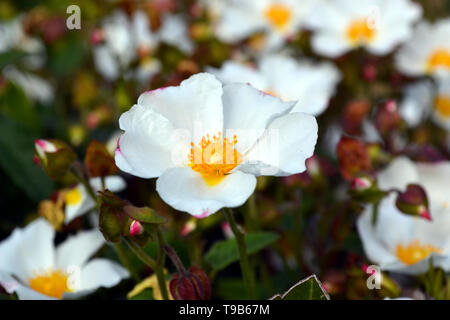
(247, 272)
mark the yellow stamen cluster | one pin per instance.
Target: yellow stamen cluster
(359, 32)
(415, 252)
(73, 196)
(52, 283)
(278, 15)
(442, 105)
(214, 158)
(439, 59)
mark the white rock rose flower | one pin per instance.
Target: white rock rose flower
(428, 51)
(279, 19)
(378, 25)
(402, 243)
(311, 84)
(32, 267)
(206, 142)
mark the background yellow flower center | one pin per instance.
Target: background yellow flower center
(278, 15)
(73, 196)
(442, 105)
(214, 158)
(360, 32)
(415, 252)
(52, 283)
(438, 59)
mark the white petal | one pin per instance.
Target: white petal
(330, 44)
(28, 250)
(248, 111)
(194, 106)
(144, 150)
(283, 149)
(400, 172)
(435, 178)
(186, 190)
(112, 183)
(373, 247)
(101, 273)
(77, 249)
(105, 62)
(235, 72)
(74, 210)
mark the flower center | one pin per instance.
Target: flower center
(215, 158)
(278, 15)
(439, 59)
(73, 196)
(52, 283)
(442, 105)
(359, 32)
(415, 252)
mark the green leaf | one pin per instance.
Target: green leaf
(145, 214)
(223, 253)
(16, 159)
(10, 57)
(306, 289)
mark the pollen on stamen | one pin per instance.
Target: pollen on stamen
(214, 158)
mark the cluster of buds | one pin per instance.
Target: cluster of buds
(55, 157)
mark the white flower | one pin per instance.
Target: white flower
(403, 243)
(206, 143)
(428, 50)
(311, 84)
(123, 39)
(175, 32)
(416, 104)
(423, 99)
(377, 25)
(35, 269)
(280, 19)
(78, 201)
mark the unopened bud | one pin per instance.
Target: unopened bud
(194, 285)
(414, 202)
(136, 228)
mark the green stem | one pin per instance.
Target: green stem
(160, 262)
(125, 261)
(140, 253)
(247, 272)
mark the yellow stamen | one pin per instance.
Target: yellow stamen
(73, 196)
(442, 105)
(359, 32)
(415, 252)
(215, 158)
(439, 59)
(278, 15)
(52, 283)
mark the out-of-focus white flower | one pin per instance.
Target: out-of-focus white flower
(377, 25)
(78, 201)
(280, 19)
(309, 83)
(174, 32)
(122, 39)
(416, 103)
(424, 99)
(32, 267)
(428, 50)
(402, 243)
(206, 143)
(34, 86)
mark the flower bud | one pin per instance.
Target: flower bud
(55, 157)
(414, 202)
(136, 228)
(353, 158)
(194, 285)
(387, 117)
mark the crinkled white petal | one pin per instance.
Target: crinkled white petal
(284, 147)
(248, 111)
(400, 172)
(101, 273)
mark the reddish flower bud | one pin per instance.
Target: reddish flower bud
(55, 157)
(194, 285)
(414, 202)
(353, 116)
(136, 228)
(353, 158)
